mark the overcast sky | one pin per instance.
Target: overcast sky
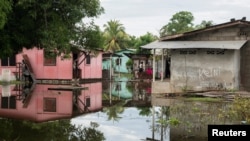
(142, 16)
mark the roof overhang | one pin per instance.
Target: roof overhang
(195, 44)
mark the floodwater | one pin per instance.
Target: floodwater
(120, 110)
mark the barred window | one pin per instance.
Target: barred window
(210, 52)
(221, 52)
(216, 52)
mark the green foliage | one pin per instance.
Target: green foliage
(132, 42)
(47, 24)
(240, 108)
(88, 134)
(179, 23)
(5, 9)
(182, 22)
(6, 129)
(204, 99)
(173, 121)
(143, 40)
(145, 111)
(89, 36)
(113, 112)
(129, 63)
(115, 36)
(204, 24)
(60, 130)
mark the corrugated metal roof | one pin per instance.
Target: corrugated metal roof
(208, 28)
(195, 44)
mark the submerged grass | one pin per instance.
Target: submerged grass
(204, 99)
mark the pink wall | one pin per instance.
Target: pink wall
(34, 110)
(62, 70)
(64, 102)
(94, 92)
(94, 69)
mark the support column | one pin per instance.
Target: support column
(154, 65)
(162, 60)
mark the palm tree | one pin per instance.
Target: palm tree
(115, 36)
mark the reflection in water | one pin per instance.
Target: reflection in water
(50, 102)
(59, 130)
(131, 127)
(121, 110)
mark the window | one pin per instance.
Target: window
(88, 59)
(87, 102)
(118, 61)
(12, 61)
(183, 51)
(210, 51)
(216, 51)
(49, 58)
(221, 52)
(9, 61)
(192, 52)
(5, 62)
(49, 104)
(8, 102)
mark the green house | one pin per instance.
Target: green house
(121, 61)
(117, 60)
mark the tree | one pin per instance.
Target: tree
(143, 40)
(49, 24)
(114, 110)
(204, 24)
(179, 23)
(115, 36)
(5, 9)
(58, 130)
(89, 36)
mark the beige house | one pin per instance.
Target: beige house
(213, 58)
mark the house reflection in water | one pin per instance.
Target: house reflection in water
(49, 102)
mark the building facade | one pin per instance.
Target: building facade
(212, 58)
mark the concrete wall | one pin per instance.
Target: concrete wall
(207, 71)
(203, 71)
(245, 67)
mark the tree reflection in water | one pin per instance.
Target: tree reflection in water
(114, 110)
(127, 108)
(60, 130)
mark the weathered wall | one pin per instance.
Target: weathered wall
(245, 67)
(92, 70)
(202, 70)
(62, 69)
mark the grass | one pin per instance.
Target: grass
(203, 99)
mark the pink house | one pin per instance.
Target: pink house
(79, 65)
(49, 102)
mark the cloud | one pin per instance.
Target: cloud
(142, 16)
(131, 127)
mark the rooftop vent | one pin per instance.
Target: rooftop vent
(232, 20)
